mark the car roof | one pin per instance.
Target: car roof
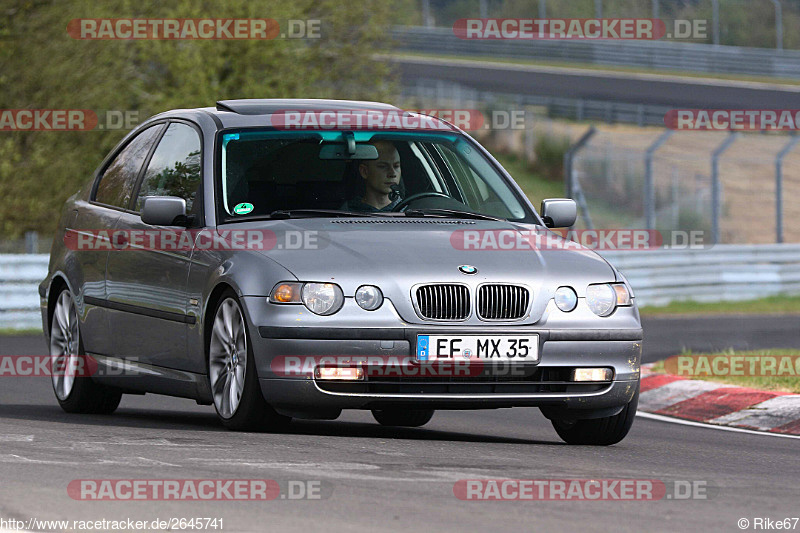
(257, 112)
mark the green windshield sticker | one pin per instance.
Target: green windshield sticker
(243, 208)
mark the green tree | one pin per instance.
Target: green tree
(42, 67)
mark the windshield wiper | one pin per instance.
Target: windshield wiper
(311, 213)
(451, 213)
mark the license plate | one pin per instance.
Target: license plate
(518, 348)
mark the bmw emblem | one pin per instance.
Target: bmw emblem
(468, 269)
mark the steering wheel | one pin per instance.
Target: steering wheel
(414, 197)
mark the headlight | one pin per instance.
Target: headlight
(369, 297)
(322, 298)
(603, 298)
(566, 299)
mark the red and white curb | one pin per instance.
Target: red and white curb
(718, 404)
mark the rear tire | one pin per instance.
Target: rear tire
(599, 431)
(412, 418)
(75, 391)
(234, 383)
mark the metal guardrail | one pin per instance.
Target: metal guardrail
(20, 275)
(726, 272)
(579, 109)
(657, 55)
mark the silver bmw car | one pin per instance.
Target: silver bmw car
(285, 259)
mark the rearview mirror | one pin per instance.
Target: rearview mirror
(559, 212)
(163, 210)
(340, 151)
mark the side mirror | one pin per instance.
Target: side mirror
(559, 212)
(163, 210)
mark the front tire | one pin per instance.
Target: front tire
(232, 372)
(410, 418)
(599, 431)
(75, 391)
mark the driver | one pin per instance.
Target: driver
(379, 176)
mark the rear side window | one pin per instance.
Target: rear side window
(174, 169)
(117, 183)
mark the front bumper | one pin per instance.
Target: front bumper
(540, 385)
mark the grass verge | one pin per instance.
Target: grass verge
(772, 305)
(11, 332)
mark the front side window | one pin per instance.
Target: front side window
(267, 171)
(174, 169)
(117, 183)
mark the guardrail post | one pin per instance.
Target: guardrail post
(778, 25)
(779, 187)
(426, 14)
(31, 242)
(716, 186)
(715, 19)
(649, 184)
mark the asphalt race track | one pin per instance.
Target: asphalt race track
(396, 480)
(683, 92)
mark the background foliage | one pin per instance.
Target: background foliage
(41, 67)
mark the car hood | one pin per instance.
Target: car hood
(397, 254)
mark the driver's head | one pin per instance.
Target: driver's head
(380, 174)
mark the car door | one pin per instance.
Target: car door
(90, 223)
(146, 282)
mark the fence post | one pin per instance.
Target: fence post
(542, 9)
(716, 187)
(568, 156)
(649, 185)
(779, 187)
(655, 8)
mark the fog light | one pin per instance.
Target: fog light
(369, 297)
(592, 374)
(566, 299)
(343, 373)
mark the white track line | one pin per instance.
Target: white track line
(661, 418)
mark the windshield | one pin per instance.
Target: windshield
(267, 171)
